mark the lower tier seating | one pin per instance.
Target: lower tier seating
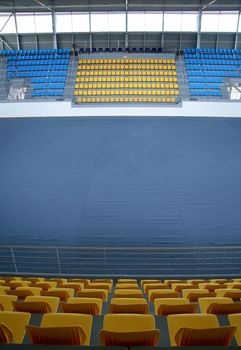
(131, 312)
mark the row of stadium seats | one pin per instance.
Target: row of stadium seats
(126, 79)
(143, 73)
(39, 62)
(126, 92)
(126, 61)
(47, 93)
(34, 52)
(37, 57)
(205, 80)
(48, 80)
(36, 74)
(204, 86)
(49, 302)
(127, 86)
(213, 62)
(126, 66)
(208, 50)
(37, 68)
(127, 49)
(210, 56)
(48, 86)
(127, 323)
(119, 329)
(205, 93)
(212, 68)
(213, 73)
(126, 100)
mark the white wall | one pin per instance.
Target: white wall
(65, 109)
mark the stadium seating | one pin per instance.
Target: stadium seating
(46, 69)
(126, 80)
(207, 69)
(129, 315)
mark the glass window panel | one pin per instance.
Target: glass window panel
(153, 22)
(63, 22)
(9, 28)
(189, 22)
(80, 22)
(25, 23)
(43, 22)
(99, 22)
(172, 22)
(117, 22)
(136, 22)
(228, 22)
(210, 22)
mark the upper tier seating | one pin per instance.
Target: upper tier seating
(208, 68)
(126, 80)
(47, 69)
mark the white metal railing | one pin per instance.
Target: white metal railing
(121, 261)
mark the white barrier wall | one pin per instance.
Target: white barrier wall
(65, 109)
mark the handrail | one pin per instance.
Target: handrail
(119, 261)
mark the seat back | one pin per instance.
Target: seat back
(71, 335)
(65, 320)
(6, 302)
(128, 306)
(235, 320)
(205, 303)
(16, 322)
(129, 330)
(210, 336)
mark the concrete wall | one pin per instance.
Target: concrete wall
(65, 109)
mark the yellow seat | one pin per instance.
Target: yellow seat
(15, 323)
(128, 293)
(22, 292)
(6, 302)
(197, 330)
(18, 283)
(128, 306)
(92, 306)
(127, 286)
(129, 330)
(73, 285)
(179, 287)
(143, 282)
(37, 304)
(195, 294)
(64, 329)
(168, 306)
(159, 285)
(62, 293)
(161, 293)
(3, 290)
(45, 285)
(103, 280)
(235, 285)
(219, 305)
(235, 320)
(93, 293)
(210, 286)
(232, 293)
(196, 281)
